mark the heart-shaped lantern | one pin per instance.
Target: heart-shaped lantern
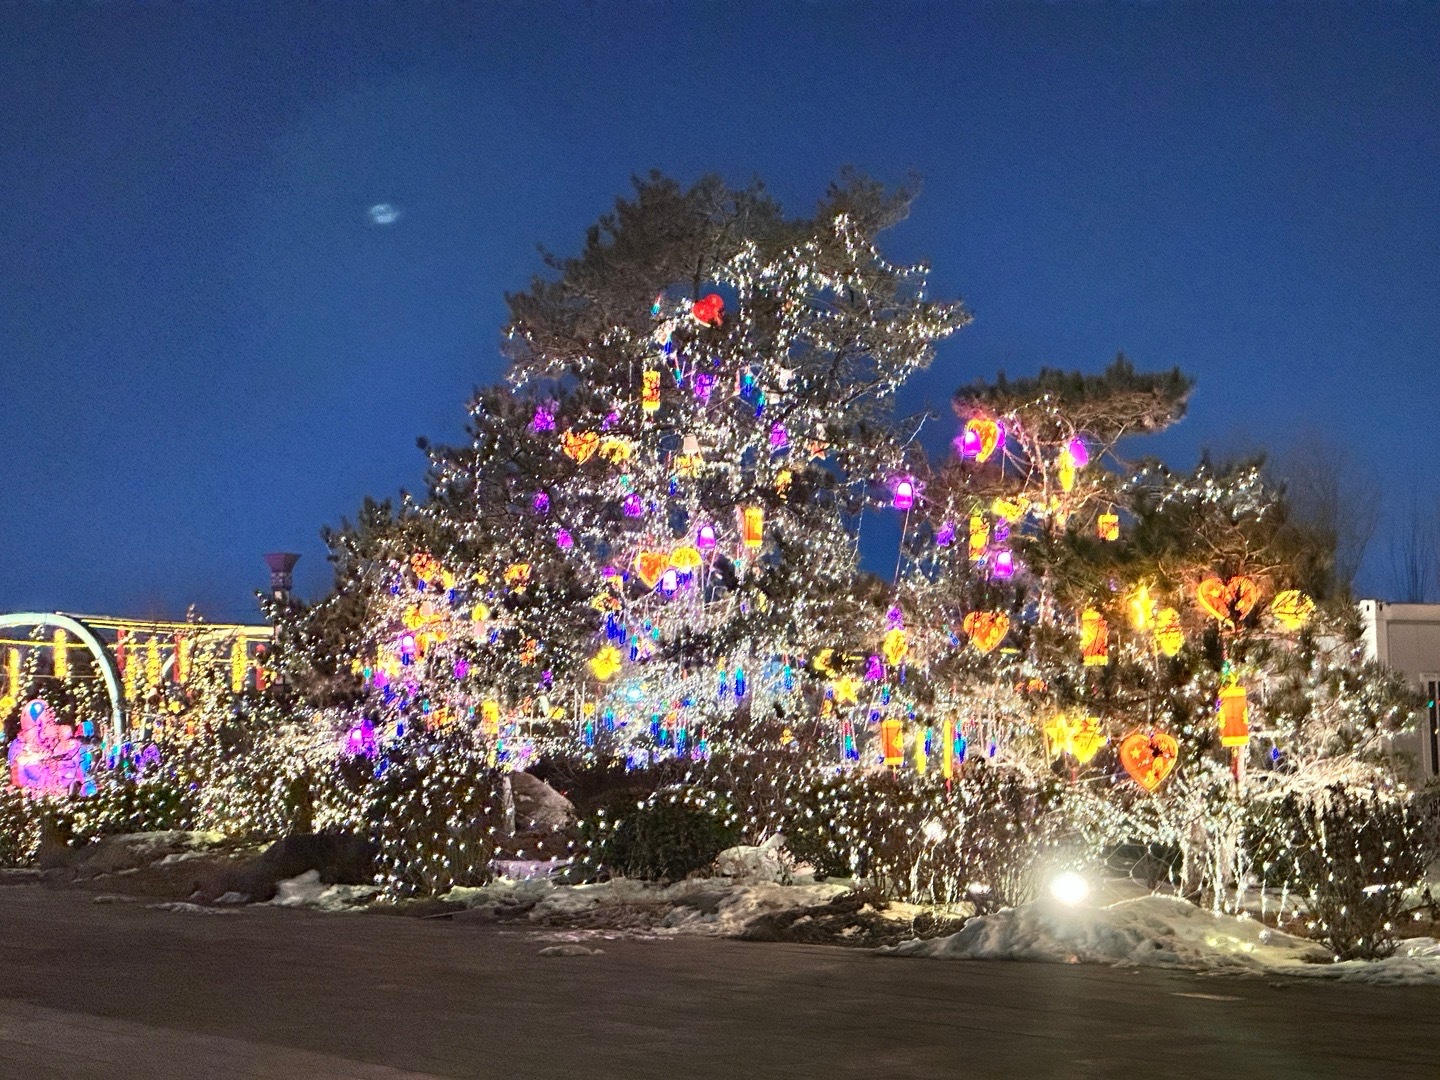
(579, 445)
(984, 435)
(650, 565)
(1148, 756)
(1292, 609)
(709, 309)
(1228, 601)
(986, 629)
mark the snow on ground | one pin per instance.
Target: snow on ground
(309, 891)
(1165, 931)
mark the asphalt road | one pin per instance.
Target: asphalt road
(120, 991)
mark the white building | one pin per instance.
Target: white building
(1407, 638)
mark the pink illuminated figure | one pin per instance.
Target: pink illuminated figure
(46, 758)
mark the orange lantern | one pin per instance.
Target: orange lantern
(1234, 717)
(752, 526)
(1086, 738)
(979, 537)
(986, 629)
(1228, 601)
(1149, 757)
(1094, 638)
(947, 748)
(892, 741)
(579, 445)
(1292, 609)
(650, 565)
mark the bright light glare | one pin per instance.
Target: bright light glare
(1069, 888)
(934, 830)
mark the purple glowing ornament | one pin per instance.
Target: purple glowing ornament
(633, 506)
(544, 417)
(903, 493)
(705, 538)
(669, 582)
(541, 502)
(779, 437)
(895, 618)
(946, 536)
(563, 540)
(1004, 566)
(1079, 452)
(875, 669)
(967, 443)
(704, 385)
(462, 668)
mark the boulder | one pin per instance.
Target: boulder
(538, 806)
(336, 858)
(768, 862)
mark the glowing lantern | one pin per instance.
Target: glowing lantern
(1004, 568)
(517, 576)
(479, 613)
(181, 669)
(650, 391)
(685, 558)
(986, 629)
(238, 666)
(490, 718)
(1107, 527)
(987, 435)
(615, 449)
(1234, 717)
(1094, 638)
(752, 527)
(705, 538)
(1292, 609)
(1148, 757)
(61, 644)
(922, 759)
(669, 582)
(895, 647)
(709, 309)
(1086, 738)
(979, 537)
(892, 741)
(154, 664)
(779, 437)
(967, 443)
(903, 493)
(649, 565)
(1066, 469)
(1078, 451)
(1012, 510)
(1142, 608)
(1169, 637)
(1228, 601)
(947, 748)
(605, 663)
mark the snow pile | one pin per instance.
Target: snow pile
(309, 891)
(1165, 931)
(1152, 931)
(769, 862)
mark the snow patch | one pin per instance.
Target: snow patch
(309, 891)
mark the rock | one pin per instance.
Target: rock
(336, 858)
(769, 862)
(133, 851)
(538, 806)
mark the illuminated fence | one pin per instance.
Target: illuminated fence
(141, 664)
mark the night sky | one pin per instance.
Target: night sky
(210, 346)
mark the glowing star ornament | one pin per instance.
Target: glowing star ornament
(1094, 638)
(606, 663)
(986, 629)
(709, 309)
(1168, 634)
(846, 690)
(578, 446)
(1292, 609)
(1056, 731)
(1228, 601)
(1149, 757)
(1234, 717)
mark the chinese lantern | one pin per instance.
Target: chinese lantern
(895, 646)
(181, 670)
(1094, 638)
(903, 493)
(979, 538)
(62, 657)
(238, 666)
(1169, 637)
(1234, 717)
(947, 748)
(650, 391)
(892, 741)
(752, 526)
(1108, 526)
(490, 718)
(1086, 738)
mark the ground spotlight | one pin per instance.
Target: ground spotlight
(1069, 888)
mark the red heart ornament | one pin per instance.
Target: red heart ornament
(1148, 757)
(1228, 601)
(986, 629)
(709, 309)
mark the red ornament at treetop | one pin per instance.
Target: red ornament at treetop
(709, 309)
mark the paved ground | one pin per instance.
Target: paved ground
(119, 991)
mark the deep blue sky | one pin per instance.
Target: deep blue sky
(208, 349)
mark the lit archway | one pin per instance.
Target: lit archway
(104, 662)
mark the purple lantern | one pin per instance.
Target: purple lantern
(633, 506)
(705, 538)
(1004, 568)
(903, 493)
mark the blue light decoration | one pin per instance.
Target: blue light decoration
(960, 744)
(739, 682)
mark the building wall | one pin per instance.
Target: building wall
(1407, 638)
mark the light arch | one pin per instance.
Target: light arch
(104, 662)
